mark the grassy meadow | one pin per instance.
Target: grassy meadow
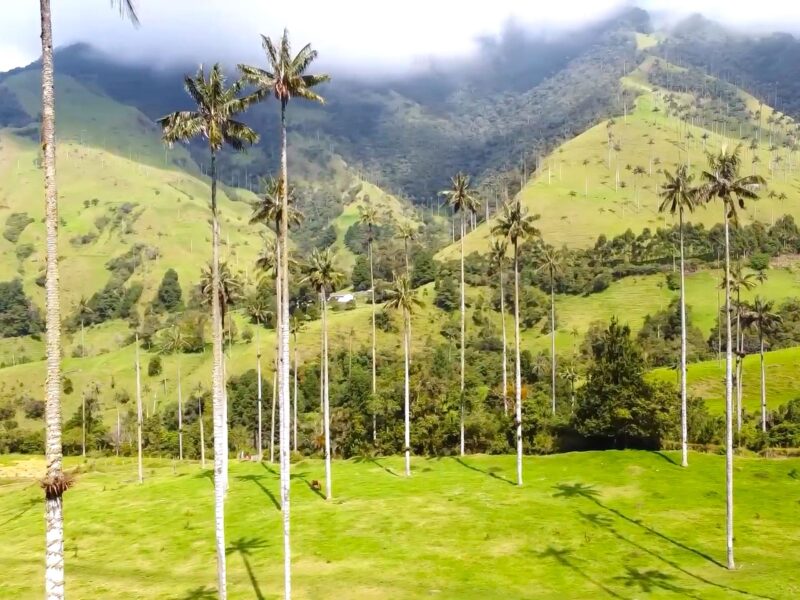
(592, 525)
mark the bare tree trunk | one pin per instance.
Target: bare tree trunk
(284, 365)
(728, 399)
(83, 425)
(517, 367)
(259, 434)
(218, 393)
(139, 416)
(272, 414)
(326, 411)
(463, 332)
(406, 390)
(505, 342)
(684, 420)
(295, 394)
(553, 342)
(374, 346)
(180, 414)
(763, 383)
(53, 506)
(202, 434)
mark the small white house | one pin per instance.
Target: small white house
(342, 297)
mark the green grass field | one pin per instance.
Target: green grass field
(593, 525)
(707, 380)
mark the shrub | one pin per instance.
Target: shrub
(33, 409)
(154, 367)
(759, 261)
(15, 225)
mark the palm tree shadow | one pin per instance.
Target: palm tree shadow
(590, 492)
(562, 557)
(605, 522)
(206, 474)
(374, 461)
(298, 476)
(26, 506)
(666, 457)
(257, 480)
(200, 593)
(245, 547)
(491, 474)
(652, 580)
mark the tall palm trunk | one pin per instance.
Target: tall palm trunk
(684, 420)
(83, 425)
(275, 387)
(326, 409)
(202, 434)
(139, 415)
(763, 381)
(517, 367)
(284, 364)
(739, 356)
(406, 390)
(217, 392)
(259, 434)
(728, 399)
(374, 345)
(553, 342)
(180, 414)
(505, 342)
(53, 506)
(294, 421)
(463, 332)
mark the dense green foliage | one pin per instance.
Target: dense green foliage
(169, 295)
(18, 315)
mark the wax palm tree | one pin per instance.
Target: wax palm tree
(551, 261)
(322, 275)
(498, 249)
(296, 325)
(740, 280)
(515, 224)
(461, 198)
(406, 232)
(231, 288)
(722, 180)
(679, 196)
(55, 482)
(761, 316)
(636, 172)
(285, 78)
(404, 298)
(173, 341)
(214, 121)
(84, 309)
(368, 216)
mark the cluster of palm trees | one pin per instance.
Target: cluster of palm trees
(721, 180)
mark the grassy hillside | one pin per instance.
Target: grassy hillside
(707, 380)
(575, 192)
(590, 525)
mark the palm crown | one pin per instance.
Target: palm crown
(497, 254)
(677, 193)
(722, 181)
(285, 76)
(460, 196)
(213, 120)
(321, 272)
(402, 296)
(269, 208)
(515, 223)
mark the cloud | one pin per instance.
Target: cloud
(365, 34)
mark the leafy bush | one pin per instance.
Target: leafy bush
(154, 367)
(15, 225)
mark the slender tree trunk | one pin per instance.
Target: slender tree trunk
(326, 410)
(553, 343)
(505, 342)
(218, 393)
(202, 434)
(728, 399)
(684, 420)
(463, 334)
(739, 369)
(406, 390)
(517, 367)
(374, 345)
(180, 415)
(119, 432)
(83, 425)
(284, 366)
(763, 383)
(272, 415)
(259, 433)
(53, 506)
(405, 253)
(139, 415)
(295, 394)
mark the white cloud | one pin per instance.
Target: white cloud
(354, 32)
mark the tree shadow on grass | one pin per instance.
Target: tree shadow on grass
(206, 474)
(653, 579)
(491, 474)
(562, 557)
(667, 458)
(244, 547)
(200, 593)
(605, 522)
(299, 477)
(589, 492)
(26, 506)
(374, 461)
(257, 480)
